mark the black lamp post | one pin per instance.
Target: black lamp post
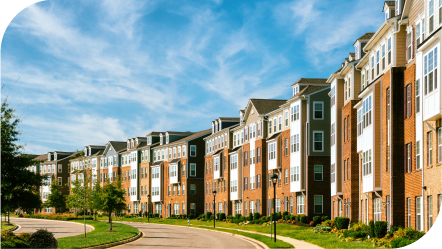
(148, 198)
(214, 207)
(274, 178)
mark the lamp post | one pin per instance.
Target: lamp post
(214, 207)
(274, 178)
(84, 200)
(148, 198)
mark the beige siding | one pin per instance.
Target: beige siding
(401, 47)
(416, 9)
(356, 82)
(252, 118)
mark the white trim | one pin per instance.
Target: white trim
(322, 142)
(322, 111)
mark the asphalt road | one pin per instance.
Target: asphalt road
(59, 228)
(167, 236)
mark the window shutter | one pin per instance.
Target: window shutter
(405, 159)
(406, 48)
(405, 103)
(409, 96)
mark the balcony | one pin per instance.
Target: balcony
(174, 171)
(432, 105)
(218, 172)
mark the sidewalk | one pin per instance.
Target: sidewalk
(296, 243)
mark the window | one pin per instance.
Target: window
(294, 147)
(193, 208)
(408, 157)
(233, 161)
(259, 129)
(300, 204)
(280, 123)
(430, 147)
(192, 169)
(168, 190)
(286, 146)
(274, 125)
(318, 110)
(286, 176)
(245, 183)
(418, 154)
(245, 158)
(246, 133)
(431, 14)
(366, 162)
(333, 98)
(383, 56)
(372, 67)
(318, 173)
(60, 181)
(258, 181)
(258, 155)
(408, 212)
(60, 168)
(345, 90)
(418, 213)
(377, 209)
(234, 186)
(333, 135)
(295, 113)
(440, 11)
(272, 151)
(286, 118)
(439, 144)
(407, 101)
(294, 174)
(410, 45)
(252, 157)
(183, 189)
(192, 189)
(184, 150)
(418, 97)
(430, 71)
(318, 204)
(318, 141)
(348, 127)
(193, 150)
(332, 173)
(389, 52)
(430, 211)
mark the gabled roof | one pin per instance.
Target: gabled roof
(178, 132)
(273, 136)
(310, 81)
(191, 137)
(100, 152)
(96, 146)
(366, 36)
(264, 106)
(155, 133)
(307, 90)
(390, 3)
(42, 157)
(118, 146)
(228, 119)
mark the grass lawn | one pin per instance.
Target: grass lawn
(6, 226)
(326, 240)
(99, 236)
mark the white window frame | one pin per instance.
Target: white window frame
(321, 204)
(300, 204)
(418, 213)
(191, 147)
(194, 170)
(433, 72)
(322, 141)
(322, 172)
(314, 110)
(418, 154)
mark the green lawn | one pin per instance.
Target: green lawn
(326, 240)
(99, 236)
(6, 226)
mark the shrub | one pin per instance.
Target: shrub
(312, 223)
(342, 222)
(380, 229)
(191, 216)
(145, 213)
(354, 234)
(8, 235)
(212, 217)
(292, 217)
(303, 219)
(264, 218)
(394, 243)
(221, 216)
(237, 216)
(371, 228)
(285, 213)
(324, 218)
(208, 214)
(253, 222)
(42, 238)
(250, 216)
(392, 230)
(316, 220)
(24, 236)
(329, 223)
(322, 228)
(20, 215)
(256, 216)
(229, 217)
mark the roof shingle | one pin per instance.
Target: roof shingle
(263, 106)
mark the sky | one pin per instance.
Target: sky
(88, 72)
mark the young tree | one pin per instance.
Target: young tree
(17, 182)
(95, 198)
(113, 199)
(56, 198)
(76, 198)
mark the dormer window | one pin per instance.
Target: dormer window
(55, 155)
(149, 140)
(398, 4)
(85, 152)
(213, 128)
(128, 145)
(219, 126)
(90, 151)
(167, 138)
(49, 156)
(132, 143)
(357, 56)
(295, 90)
(161, 139)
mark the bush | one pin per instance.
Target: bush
(322, 228)
(342, 222)
(380, 229)
(212, 217)
(229, 217)
(292, 217)
(354, 234)
(316, 220)
(191, 216)
(250, 216)
(328, 223)
(253, 222)
(221, 216)
(371, 228)
(42, 238)
(256, 216)
(237, 216)
(394, 243)
(145, 213)
(392, 230)
(324, 218)
(20, 215)
(264, 218)
(303, 219)
(24, 236)
(208, 214)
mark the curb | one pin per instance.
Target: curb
(14, 228)
(118, 242)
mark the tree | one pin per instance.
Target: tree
(113, 199)
(95, 198)
(76, 198)
(56, 198)
(17, 182)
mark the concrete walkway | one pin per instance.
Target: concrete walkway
(296, 243)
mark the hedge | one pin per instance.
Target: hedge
(380, 229)
(342, 222)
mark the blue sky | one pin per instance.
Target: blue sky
(94, 71)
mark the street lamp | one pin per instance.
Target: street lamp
(84, 200)
(214, 207)
(148, 197)
(274, 178)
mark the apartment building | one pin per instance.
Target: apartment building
(177, 173)
(218, 145)
(86, 164)
(56, 167)
(248, 158)
(425, 201)
(345, 86)
(131, 173)
(110, 161)
(307, 158)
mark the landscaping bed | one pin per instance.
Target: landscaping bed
(65, 217)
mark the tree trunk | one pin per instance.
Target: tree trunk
(110, 220)
(9, 222)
